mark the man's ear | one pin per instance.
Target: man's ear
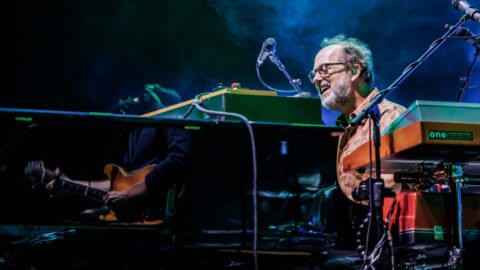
(356, 70)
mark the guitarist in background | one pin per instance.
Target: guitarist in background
(167, 148)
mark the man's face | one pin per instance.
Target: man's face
(331, 77)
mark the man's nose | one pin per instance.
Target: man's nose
(319, 78)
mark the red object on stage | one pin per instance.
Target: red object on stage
(423, 217)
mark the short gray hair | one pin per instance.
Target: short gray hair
(357, 52)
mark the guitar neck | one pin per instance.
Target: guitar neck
(76, 188)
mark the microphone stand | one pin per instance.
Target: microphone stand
(376, 193)
(407, 72)
(469, 74)
(294, 82)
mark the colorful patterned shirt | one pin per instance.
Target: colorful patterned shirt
(358, 135)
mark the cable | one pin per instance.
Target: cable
(195, 103)
(467, 78)
(390, 245)
(269, 87)
(390, 212)
(377, 251)
(192, 106)
(369, 185)
(442, 38)
(369, 260)
(409, 69)
(387, 89)
(190, 109)
(433, 44)
(462, 90)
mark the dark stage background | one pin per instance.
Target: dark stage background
(85, 55)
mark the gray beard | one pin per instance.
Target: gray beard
(338, 99)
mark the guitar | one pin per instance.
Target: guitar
(119, 179)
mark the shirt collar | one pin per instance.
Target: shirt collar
(343, 121)
(364, 104)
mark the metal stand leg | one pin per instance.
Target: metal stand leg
(455, 256)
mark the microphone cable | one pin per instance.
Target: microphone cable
(196, 104)
(269, 87)
(439, 41)
(370, 259)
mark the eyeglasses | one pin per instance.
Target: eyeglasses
(323, 70)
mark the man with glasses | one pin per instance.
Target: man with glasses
(343, 76)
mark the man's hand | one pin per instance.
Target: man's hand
(51, 184)
(114, 197)
(127, 204)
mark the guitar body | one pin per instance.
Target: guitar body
(122, 180)
(135, 211)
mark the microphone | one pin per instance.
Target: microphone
(469, 36)
(268, 48)
(469, 10)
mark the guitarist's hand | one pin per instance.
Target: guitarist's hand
(127, 203)
(51, 184)
(114, 197)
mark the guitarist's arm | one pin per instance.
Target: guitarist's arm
(165, 173)
(103, 184)
(135, 190)
(173, 167)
